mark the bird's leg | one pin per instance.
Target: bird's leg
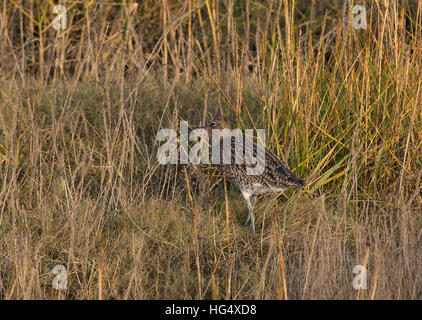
(251, 204)
(250, 215)
(248, 218)
(253, 200)
(250, 199)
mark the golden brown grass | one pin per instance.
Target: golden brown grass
(81, 186)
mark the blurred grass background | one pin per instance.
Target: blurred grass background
(81, 186)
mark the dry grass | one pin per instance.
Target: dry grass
(81, 186)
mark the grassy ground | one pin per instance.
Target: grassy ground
(81, 185)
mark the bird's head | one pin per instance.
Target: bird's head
(215, 124)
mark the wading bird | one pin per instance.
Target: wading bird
(275, 176)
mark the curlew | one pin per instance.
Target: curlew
(275, 176)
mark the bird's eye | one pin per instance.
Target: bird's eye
(212, 124)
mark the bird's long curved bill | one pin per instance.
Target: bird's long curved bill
(202, 127)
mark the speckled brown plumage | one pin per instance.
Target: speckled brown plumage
(275, 177)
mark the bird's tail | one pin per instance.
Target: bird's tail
(291, 179)
(298, 182)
